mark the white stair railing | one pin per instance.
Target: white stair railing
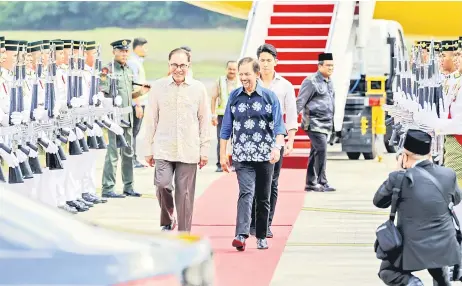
(257, 27)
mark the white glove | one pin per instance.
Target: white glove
(107, 102)
(72, 137)
(10, 159)
(100, 95)
(4, 118)
(95, 99)
(115, 128)
(40, 113)
(90, 132)
(75, 102)
(118, 100)
(16, 118)
(97, 130)
(79, 133)
(52, 148)
(57, 108)
(25, 116)
(21, 156)
(33, 153)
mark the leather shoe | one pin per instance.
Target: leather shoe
(239, 242)
(88, 204)
(78, 206)
(68, 208)
(132, 193)
(327, 188)
(89, 198)
(101, 200)
(315, 188)
(262, 243)
(113, 195)
(170, 226)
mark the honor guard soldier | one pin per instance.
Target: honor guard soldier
(89, 172)
(123, 75)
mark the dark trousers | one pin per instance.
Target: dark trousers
(392, 276)
(316, 171)
(254, 180)
(274, 193)
(136, 129)
(220, 120)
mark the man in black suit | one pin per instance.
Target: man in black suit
(424, 219)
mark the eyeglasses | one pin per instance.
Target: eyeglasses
(175, 66)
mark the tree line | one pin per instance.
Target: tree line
(83, 15)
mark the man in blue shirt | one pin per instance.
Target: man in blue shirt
(253, 116)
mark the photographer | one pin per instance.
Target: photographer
(424, 220)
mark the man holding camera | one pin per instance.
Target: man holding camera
(425, 221)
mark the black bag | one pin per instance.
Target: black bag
(456, 273)
(389, 240)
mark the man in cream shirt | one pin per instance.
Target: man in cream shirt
(177, 139)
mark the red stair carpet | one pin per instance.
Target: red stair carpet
(215, 217)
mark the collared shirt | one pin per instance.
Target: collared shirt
(254, 122)
(136, 64)
(418, 161)
(6, 79)
(317, 99)
(285, 92)
(177, 121)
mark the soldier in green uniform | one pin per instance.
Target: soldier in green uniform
(124, 77)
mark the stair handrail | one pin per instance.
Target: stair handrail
(248, 29)
(332, 26)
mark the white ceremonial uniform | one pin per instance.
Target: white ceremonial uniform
(30, 187)
(71, 164)
(50, 179)
(90, 158)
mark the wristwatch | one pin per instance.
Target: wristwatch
(279, 147)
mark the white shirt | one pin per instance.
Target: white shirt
(285, 92)
(6, 79)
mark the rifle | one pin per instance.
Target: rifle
(48, 125)
(15, 175)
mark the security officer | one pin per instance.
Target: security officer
(223, 88)
(119, 70)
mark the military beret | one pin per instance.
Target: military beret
(460, 42)
(448, 46)
(91, 45)
(425, 45)
(121, 44)
(34, 46)
(2, 41)
(59, 45)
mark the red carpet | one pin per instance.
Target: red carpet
(215, 217)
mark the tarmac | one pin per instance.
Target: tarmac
(332, 240)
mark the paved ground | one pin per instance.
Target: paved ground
(331, 243)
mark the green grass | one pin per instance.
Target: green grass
(211, 48)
